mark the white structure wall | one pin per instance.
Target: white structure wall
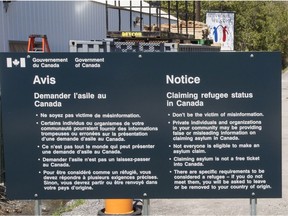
(59, 20)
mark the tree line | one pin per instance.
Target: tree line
(259, 25)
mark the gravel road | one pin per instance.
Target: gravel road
(217, 206)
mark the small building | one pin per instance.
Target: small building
(62, 21)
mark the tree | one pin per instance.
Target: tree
(259, 25)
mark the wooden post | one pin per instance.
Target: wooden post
(118, 206)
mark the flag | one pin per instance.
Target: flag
(16, 62)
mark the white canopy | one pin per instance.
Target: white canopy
(136, 6)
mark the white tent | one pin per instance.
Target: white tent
(135, 6)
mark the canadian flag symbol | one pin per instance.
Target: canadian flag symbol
(16, 62)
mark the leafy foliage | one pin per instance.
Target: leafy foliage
(259, 25)
(68, 208)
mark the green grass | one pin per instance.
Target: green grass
(68, 208)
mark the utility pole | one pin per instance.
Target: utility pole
(197, 10)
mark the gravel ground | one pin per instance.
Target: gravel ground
(90, 207)
(217, 206)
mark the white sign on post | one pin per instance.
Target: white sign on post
(221, 26)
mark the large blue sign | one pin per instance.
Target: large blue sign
(149, 125)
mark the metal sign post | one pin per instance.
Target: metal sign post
(38, 208)
(253, 206)
(146, 207)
